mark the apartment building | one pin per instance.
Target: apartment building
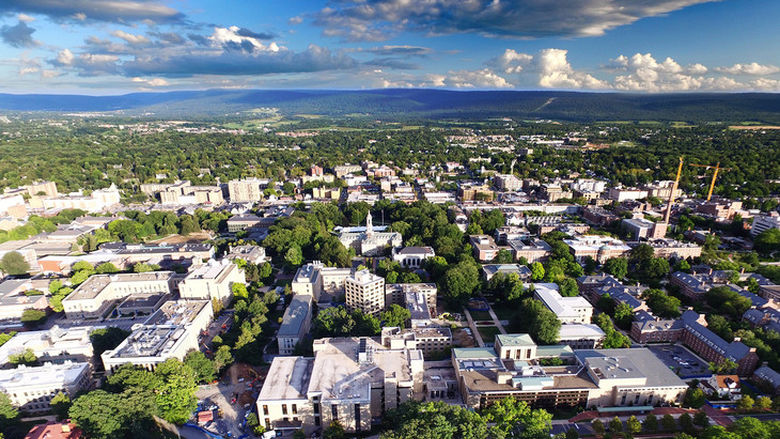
(349, 380)
(246, 190)
(13, 301)
(507, 182)
(365, 291)
(213, 280)
(31, 388)
(94, 298)
(430, 340)
(296, 323)
(656, 330)
(762, 223)
(712, 348)
(399, 294)
(568, 309)
(315, 279)
(533, 250)
(171, 332)
(484, 247)
(671, 248)
(475, 193)
(640, 228)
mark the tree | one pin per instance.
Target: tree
(142, 268)
(334, 431)
(188, 225)
(617, 267)
(572, 433)
(396, 315)
(662, 304)
(746, 402)
(460, 281)
(8, 412)
(767, 241)
(568, 288)
(176, 396)
(503, 256)
(239, 291)
(33, 317)
(13, 263)
(752, 428)
(723, 367)
(60, 404)
(615, 426)
(650, 424)
(106, 268)
(340, 322)
(203, 367)
(515, 418)
(537, 271)
(104, 415)
(222, 357)
(416, 419)
(27, 357)
(763, 403)
(294, 256)
(633, 425)
(82, 266)
(701, 419)
(686, 422)
(598, 426)
(668, 423)
(694, 397)
(624, 315)
(541, 323)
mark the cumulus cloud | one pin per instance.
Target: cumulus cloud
(118, 11)
(19, 35)
(511, 62)
(376, 20)
(236, 38)
(483, 78)
(87, 64)
(130, 38)
(25, 18)
(749, 69)
(153, 82)
(556, 72)
(295, 20)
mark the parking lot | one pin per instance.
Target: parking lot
(680, 360)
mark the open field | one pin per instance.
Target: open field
(754, 127)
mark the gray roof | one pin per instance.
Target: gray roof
(735, 350)
(768, 374)
(295, 315)
(9, 285)
(639, 362)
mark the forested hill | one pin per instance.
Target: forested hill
(422, 103)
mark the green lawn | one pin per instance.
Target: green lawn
(480, 315)
(488, 333)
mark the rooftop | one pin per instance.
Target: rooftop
(93, 286)
(287, 379)
(640, 362)
(295, 315)
(515, 340)
(55, 375)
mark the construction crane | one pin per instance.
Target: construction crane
(717, 169)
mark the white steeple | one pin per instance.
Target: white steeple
(369, 224)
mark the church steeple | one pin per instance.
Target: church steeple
(369, 224)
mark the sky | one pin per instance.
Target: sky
(104, 47)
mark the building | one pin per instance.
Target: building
(213, 280)
(762, 223)
(484, 247)
(365, 291)
(769, 377)
(533, 250)
(346, 169)
(599, 216)
(412, 257)
(370, 242)
(656, 330)
(13, 301)
(243, 222)
(98, 201)
(94, 298)
(640, 228)
(55, 430)
(490, 270)
(723, 209)
(252, 254)
(246, 190)
(13, 205)
(507, 182)
(349, 380)
(504, 234)
(726, 387)
(31, 388)
(671, 248)
(170, 332)
(589, 285)
(581, 335)
(568, 309)
(475, 193)
(315, 279)
(54, 345)
(430, 340)
(712, 348)
(598, 247)
(296, 323)
(398, 294)
(589, 378)
(623, 194)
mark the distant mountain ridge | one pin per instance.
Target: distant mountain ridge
(421, 103)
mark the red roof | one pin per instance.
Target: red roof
(55, 430)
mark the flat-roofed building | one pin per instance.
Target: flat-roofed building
(640, 228)
(507, 182)
(170, 332)
(412, 257)
(254, 254)
(53, 345)
(568, 309)
(213, 280)
(94, 298)
(246, 190)
(13, 301)
(315, 278)
(485, 248)
(671, 248)
(398, 294)
(491, 270)
(621, 194)
(296, 323)
(581, 335)
(533, 250)
(762, 223)
(365, 291)
(31, 388)
(598, 247)
(431, 340)
(349, 380)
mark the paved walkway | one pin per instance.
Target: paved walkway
(475, 332)
(495, 320)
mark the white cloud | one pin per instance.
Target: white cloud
(233, 37)
(295, 20)
(154, 82)
(556, 72)
(65, 57)
(25, 18)
(483, 78)
(749, 69)
(511, 61)
(130, 38)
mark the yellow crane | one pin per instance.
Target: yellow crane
(672, 194)
(717, 169)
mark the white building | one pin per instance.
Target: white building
(507, 182)
(32, 388)
(315, 279)
(95, 297)
(370, 243)
(365, 291)
(412, 257)
(51, 344)
(213, 280)
(99, 201)
(763, 223)
(568, 309)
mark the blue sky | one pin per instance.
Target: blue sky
(115, 46)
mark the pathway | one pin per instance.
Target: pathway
(495, 319)
(475, 332)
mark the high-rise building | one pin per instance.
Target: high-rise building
(366, 292)
(245, 190)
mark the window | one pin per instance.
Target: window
(284, 409)
(295, 409)
(265, 409)
(334, 412)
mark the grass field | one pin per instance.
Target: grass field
(488, 333)
(480, 315)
